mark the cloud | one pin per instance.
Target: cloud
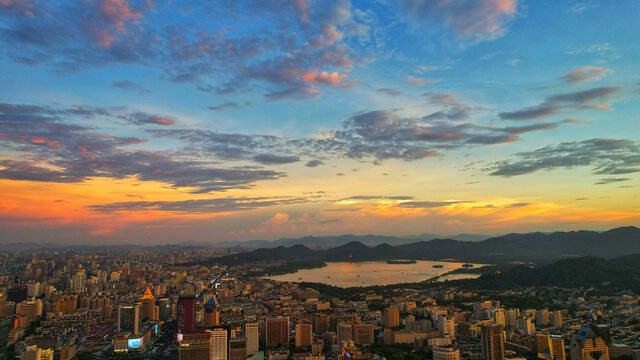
(272, 159)
(421, 81)
(229, 105)
(583, 74)
(128, 85)
(378, 197)
(49, 147)
(389, 91)
(604, 156)
(478, 19)
(324, 78)
(428, 204)
(384, 134)
(295, 93)
(313, 163)
(528, 128)
(209, 206)
(577, 8)
(595, 98)
(144, 118)
(513, 61)
(284, 55)
(605, 181)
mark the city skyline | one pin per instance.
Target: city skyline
(147, 122)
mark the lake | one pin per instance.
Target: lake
(369, 273)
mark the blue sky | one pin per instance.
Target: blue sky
(295, 117)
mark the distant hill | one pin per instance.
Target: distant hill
(538, 247)
(333, 241)
(587, 271)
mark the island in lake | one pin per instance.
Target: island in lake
(399, 262)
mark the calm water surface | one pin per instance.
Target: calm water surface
(368, 273)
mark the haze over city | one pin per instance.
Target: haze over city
(160, 122)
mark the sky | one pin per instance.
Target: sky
(158, 122)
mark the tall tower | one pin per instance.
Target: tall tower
(252, 334)
(149, 308)
(492, 342)
(186, 314)
(219, 344)
(129, 318)
(391, 317)
(211, 313)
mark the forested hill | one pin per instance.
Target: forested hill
(537, 247)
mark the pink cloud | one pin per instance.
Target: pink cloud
(324, 78)
(303, 8)
(118, 13)
(482, 19)
(21, 7)
(421, 81)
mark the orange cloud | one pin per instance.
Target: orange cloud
(324, 78)
(118, 12)
(421, 81)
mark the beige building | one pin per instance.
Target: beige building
(550, 347)
(304, 336)
(391, 317)
(445, 353)
(586, 345)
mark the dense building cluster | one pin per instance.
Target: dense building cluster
(158, 304)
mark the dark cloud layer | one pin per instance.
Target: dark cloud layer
(129, 85)
(201, 205)
(595, 98)
(604, 156)
(54, 149)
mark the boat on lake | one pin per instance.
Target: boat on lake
(401, 262)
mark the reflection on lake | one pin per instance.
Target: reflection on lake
(368, 273)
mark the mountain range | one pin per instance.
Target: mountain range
(333, 241)
(587, 271)
(534, 247)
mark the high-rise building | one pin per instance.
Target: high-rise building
(164, 309)
(550, 347)
(391, 317)
(555, 319)
(219, 344)
(31, 353)
(78, 281)
(604, 332)
(186, 314)
(445, 353)
(149, 308)
(320, 323)
(251, 332)
(211, 313)
(492, 342)
(129, 318)
(345, 332)
(238, 349)
(304, 336)
(4, 337)
(446, 326)
(511, 315)
(194, 346)
(587, 345)
(363, 334)
(542, 318)
(498, 316)
(525, 326)
(277, 332)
